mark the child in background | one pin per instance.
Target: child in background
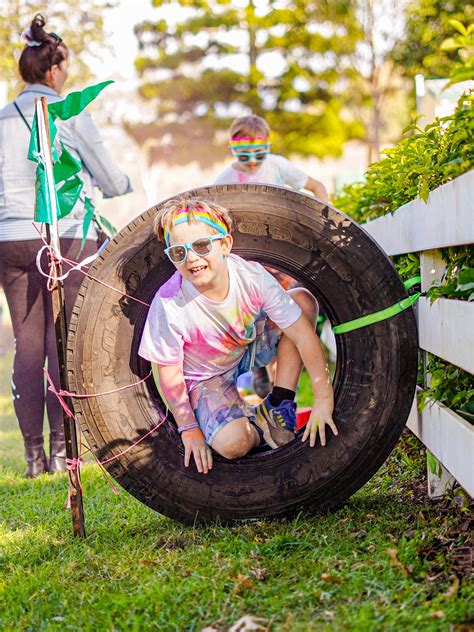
(215, 318)
(249, 144)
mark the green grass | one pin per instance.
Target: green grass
(385, 561)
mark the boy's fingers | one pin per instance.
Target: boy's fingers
(187, 455)
(314, 433)
(205, 465)
(305, 433)
(209, 458)
(197, 460)
(322, 434)
(333, 427)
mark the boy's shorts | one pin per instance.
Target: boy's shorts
(217, 401)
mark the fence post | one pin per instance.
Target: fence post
(432, 268)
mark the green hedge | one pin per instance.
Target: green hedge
(421, 162)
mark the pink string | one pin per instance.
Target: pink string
(72, 263)
(88, 395)
(54, 261)
(75, 463)
(53, 389)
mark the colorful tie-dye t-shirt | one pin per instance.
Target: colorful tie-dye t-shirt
(209, 337)
(274, 170)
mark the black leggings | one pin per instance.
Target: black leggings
(32, 320)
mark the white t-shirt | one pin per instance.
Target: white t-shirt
(274, 170)
(210, 337)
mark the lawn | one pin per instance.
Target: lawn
(388, 560)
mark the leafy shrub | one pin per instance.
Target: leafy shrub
(449, 385)
(421, 162)
(418, 164)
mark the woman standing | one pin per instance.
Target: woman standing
(43, 66)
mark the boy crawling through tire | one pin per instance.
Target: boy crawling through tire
(216, 318)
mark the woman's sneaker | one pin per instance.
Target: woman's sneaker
(276, 422)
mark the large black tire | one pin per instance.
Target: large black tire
(374, 382)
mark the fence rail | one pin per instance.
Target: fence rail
(446, 220)
(443, 330)
(445, 327)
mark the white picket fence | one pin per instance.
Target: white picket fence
(445, 327)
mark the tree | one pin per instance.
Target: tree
(427, 26)
(78, 22)
(374, 75)
(284, 60)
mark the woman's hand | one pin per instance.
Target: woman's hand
(195, 444)
(321, 416)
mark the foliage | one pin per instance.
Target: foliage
(421, 162)
(418, 164)
(427, 26)
(407, 265)
(214, 64)
(375, 77)
(79, 22)
(434, 466)
(464, 45)
(458, 279)
(370, 565)
(449, 385)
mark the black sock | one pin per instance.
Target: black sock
(278, 394)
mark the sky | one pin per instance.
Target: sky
(119, 22)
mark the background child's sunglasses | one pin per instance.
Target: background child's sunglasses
(258, 155)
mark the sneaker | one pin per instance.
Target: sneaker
(260, 381)
(276, 422)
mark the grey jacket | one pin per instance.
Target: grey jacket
(17, 173)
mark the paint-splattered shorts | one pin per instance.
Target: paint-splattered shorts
(216, 401)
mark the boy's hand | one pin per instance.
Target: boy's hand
(321, 416)
(195, 444)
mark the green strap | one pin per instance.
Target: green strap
(383, 314)
(409, 283)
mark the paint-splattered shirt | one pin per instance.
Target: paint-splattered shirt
(209, 337)
(274, 169)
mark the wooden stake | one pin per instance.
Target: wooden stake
(60, 325)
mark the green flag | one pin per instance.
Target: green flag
(75, 102)
(88, 217)
(43, 208)
(66, 166)
(43, 204)
(68, 194)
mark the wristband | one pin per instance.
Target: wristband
(188, 427)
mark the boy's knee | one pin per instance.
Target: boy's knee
(235, 446)
(233, 451)
(309, 305)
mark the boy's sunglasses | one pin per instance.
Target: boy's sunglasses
(245, 156)
(201, 247)
(244, 153)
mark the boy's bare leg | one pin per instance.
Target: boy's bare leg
(272, 369)
(289, 363)
(239, 436)
(236, 439)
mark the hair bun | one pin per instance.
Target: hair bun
(37, 28)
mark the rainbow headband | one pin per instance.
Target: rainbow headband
(183, 216)
(242, 142)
